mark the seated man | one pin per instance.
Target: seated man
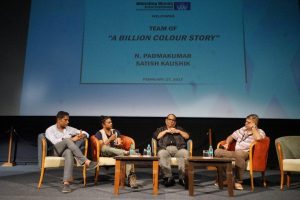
(244, 137)
(171, 143)
(63, 138)
(113, 146)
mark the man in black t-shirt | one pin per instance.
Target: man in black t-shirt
(112, 147)
(171, 143)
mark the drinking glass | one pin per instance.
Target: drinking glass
(205, 153)
(137, 152)
(145, 152)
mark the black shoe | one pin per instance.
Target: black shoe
(132, 181)
(92, 165)
(181, 182)
(66, 188)
(165, 180)
(169, 182)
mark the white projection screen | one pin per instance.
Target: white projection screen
(197, 58)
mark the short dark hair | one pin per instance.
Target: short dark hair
(61, 114)
(104, 118)
(253, 117)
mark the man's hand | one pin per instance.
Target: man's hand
(118, 142)
(255, 132)
(161, 134)
(110, 139)
(225, 146)
(229, 140)
(78, 136)
(177, 131)
(173, 130)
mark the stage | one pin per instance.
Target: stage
(20, 182)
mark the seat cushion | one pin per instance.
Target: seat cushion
(174, 161)
(54, 161)
(290, 146)
(107, 161)
(292, 165)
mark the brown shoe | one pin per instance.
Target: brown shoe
(225, 184)
(66, 188)
(132, 181)
(92, 165)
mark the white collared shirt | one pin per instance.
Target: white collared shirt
(54, 135)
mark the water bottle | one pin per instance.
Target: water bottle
(131, 151)
(211, 151)
(148, 150)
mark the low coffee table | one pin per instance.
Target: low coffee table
(120, 171)
(199, 161)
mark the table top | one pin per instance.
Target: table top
(214, 159)
(137, 158)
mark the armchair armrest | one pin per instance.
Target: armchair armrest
(42, 148)
(280, 155)
(221, 143)
(154, 146)
(96, 146)
(127, 141)
(190, 146)
(86, 145)
(231, 146)
(258, 154)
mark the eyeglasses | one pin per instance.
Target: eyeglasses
(174, 120)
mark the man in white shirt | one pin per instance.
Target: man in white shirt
(243, 137)
(63, 138)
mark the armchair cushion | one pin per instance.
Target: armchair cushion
(126, 142)
(54, 161)
(107, 161)
(93, 141)
(290, 146)
(260, 154)
(292, 165)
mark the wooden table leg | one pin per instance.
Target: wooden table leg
(117, 177)
(123, 174)
(220, 177)
(155, 177)
(186, 175)
(229, 178)
(191, 178)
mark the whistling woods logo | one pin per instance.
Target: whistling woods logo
(159, 5)
(182, 5)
